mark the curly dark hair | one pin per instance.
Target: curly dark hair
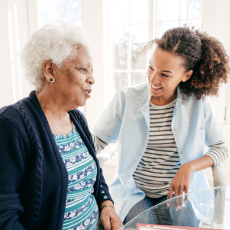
(201, 53)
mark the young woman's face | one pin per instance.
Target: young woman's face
(164, 73)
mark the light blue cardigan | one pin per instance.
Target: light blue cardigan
(126, 121)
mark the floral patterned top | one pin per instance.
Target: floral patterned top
(81, 207)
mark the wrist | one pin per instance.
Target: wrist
(107, 206)
(189, 167)
(107, 202)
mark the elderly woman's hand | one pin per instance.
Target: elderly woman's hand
(109, 219)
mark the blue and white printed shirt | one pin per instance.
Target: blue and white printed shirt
(81, 207)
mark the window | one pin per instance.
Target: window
(128, 32)
(132, 24)
(63, 10)
(185, 12)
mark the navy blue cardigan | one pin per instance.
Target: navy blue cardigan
(33, 177)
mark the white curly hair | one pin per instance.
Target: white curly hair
(56, 42)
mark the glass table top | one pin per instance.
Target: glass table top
(208, 208)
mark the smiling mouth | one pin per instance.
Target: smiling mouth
(156, 88)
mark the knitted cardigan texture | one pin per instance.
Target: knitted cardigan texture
(33, 177)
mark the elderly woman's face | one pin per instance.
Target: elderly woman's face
(74, 81)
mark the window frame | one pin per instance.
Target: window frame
(154, 23)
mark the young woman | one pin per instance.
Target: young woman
(162, 126)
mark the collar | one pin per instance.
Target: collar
(149, 95)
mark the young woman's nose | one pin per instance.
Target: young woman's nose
(154, 79)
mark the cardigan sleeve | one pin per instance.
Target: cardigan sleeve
(11, 173)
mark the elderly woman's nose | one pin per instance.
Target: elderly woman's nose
(90, 80)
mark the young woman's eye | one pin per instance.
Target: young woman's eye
(164, 75)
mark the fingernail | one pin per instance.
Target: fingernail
(185, 201)
(168, 204)
(180, 206)
(176, 208)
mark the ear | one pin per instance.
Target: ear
(187, 75)
(48, 69)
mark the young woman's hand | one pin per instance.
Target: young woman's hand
(182, 179)
(180, 184)
(109, 218)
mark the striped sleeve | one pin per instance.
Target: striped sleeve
(99, 144)
(218, 152)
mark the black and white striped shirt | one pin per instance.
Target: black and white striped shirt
(160, 161)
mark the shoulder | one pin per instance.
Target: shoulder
(10, 114)
(190, 100)
(134, 93)
(12, 126)
(207, 105)
(202, 102)
(16, 115)
(136, 89)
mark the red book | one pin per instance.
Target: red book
(166, 227)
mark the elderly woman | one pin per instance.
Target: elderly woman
(49, 174)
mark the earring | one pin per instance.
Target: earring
(52, 80)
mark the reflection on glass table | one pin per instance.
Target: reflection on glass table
(208, 208)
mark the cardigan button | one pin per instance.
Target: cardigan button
(175, 129)
(181, 152)
(105, 197)
(103, 192)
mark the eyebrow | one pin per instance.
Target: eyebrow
(166, 71)
(161, 70)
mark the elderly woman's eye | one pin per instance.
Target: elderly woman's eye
(151, 68)
(83, 70)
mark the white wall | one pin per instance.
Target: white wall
(216, 22)
(94, 23)
(18, 19)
